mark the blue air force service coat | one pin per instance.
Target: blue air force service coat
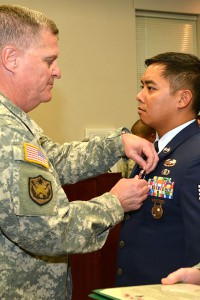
(164, 234)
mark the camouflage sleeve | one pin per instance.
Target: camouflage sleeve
(197, 266)
(34, 211)
(80, 160)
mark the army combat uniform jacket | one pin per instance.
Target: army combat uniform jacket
(164, 234)
(39, 227)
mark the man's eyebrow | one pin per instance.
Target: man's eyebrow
(51, 57)
(148, 82)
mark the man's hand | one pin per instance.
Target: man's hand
(131, 192)
(186, 275)
(136, 148)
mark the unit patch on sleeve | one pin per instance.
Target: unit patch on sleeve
(35, 154)
(40, 190)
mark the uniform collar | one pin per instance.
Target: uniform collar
(165, 139)
(19, 114)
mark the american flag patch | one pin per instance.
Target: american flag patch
(34, 154)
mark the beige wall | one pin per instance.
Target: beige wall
(97, 60)
(174, 6)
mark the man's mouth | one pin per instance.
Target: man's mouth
(140, 109)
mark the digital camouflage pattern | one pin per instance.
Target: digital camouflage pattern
(197, 266)
(39, 228)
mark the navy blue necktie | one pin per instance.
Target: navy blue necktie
(156, 146)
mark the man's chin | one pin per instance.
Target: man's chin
(47, 98)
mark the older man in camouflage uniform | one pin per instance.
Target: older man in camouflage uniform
(39, 227)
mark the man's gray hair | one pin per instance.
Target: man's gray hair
(21, 26)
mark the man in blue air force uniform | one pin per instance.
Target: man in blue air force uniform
(164, 234)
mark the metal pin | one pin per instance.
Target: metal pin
(142, 174)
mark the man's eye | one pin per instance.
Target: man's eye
(49, 62)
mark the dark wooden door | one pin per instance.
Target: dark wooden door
(94, 270)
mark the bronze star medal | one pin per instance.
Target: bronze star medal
(157, 210)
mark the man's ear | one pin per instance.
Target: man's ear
(185, 98)
(9, 58)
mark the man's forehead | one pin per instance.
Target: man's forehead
(155, 68)
(153, 72)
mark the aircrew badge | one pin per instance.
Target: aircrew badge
(40, 190)
(170, 162)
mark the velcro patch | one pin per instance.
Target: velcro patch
(35, 154)
(40, 190)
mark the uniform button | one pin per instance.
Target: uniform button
(119, 272)
(121, 244)
(127, 217)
